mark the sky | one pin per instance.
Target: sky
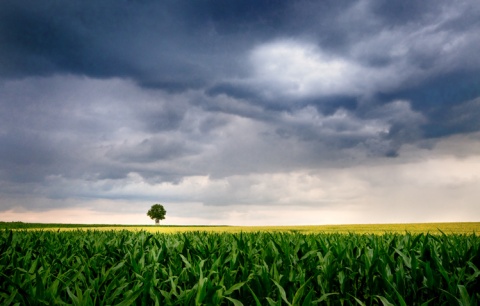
(240, 112)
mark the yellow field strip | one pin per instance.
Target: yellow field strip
(414, 228)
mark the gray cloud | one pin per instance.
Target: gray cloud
(103, 95)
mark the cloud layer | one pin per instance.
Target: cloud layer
(229, 109)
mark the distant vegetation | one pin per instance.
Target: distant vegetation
(22, 225)
(157, 212)
(97, 267)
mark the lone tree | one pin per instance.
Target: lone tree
(157, 213)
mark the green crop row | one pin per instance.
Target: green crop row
(199, 268)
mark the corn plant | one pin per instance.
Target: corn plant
(262, 268)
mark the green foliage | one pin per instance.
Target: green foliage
(199, 268)
(23, 225)
(57, 226)
(157, 212)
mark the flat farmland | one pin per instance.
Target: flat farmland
(407, 264)
(414, 228)
(400, 228)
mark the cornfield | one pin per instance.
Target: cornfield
(262, 268)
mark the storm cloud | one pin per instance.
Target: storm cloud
(229, 108)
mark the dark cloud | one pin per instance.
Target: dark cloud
(233, 90)
(458, 119)
(113, 91)
(149, 150)
(177, 45)
(442, 98)
(173, 45)
(24, 157)
(400, 13)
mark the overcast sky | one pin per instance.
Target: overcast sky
(240, 112)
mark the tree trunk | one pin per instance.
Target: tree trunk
(157, 222)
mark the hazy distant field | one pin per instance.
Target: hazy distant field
(432, 228)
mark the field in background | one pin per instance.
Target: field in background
(413, 228)
(432, 228)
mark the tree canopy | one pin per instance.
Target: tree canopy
(157, 212)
